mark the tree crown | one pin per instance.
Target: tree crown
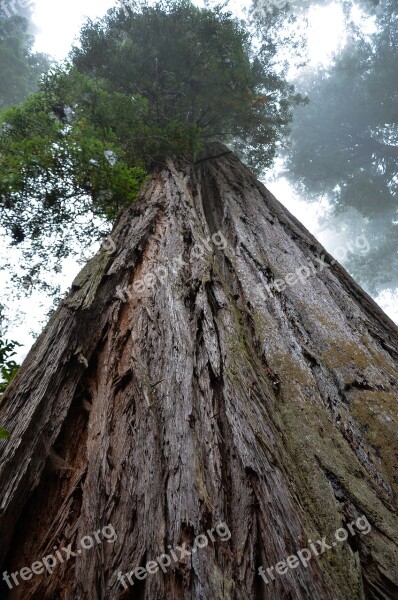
(144, 84)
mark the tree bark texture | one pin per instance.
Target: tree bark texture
(205, 398)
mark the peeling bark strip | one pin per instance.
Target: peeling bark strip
(49, 563)
(164, 561)
(206, 400)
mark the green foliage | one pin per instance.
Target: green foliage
(67, 159)
(8, 367)
(145, 84)
(4, 433)
(345, 144)
(198, 68)
(53, 155)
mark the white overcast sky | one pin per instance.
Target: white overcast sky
(59, 24)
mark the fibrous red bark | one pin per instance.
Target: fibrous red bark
(206, 396)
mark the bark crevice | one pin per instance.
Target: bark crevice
(201, 399)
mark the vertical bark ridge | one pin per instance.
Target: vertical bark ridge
(205, 399)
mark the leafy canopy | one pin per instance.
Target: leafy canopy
(8, 367)
(197, 67)
(144, 84)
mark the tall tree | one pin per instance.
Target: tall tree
(211, 366)
(344, 142)
(182, 384)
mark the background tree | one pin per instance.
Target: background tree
(19, 76)
(344, 143)
(20, 67)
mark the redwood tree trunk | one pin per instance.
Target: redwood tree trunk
(204, 397)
